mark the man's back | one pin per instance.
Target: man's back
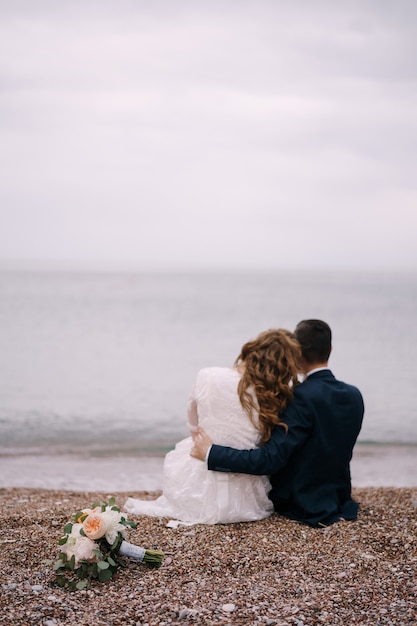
(314, 486)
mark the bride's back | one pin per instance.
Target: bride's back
(220, 412)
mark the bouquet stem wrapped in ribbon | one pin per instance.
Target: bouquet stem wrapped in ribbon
(93, 544)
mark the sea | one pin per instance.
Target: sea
(96, 368)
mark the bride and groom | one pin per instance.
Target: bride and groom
(279, 445)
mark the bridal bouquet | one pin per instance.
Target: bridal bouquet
(92, 545)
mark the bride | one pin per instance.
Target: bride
(237, 407)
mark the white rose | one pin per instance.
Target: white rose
(79, 546)
(113, 525)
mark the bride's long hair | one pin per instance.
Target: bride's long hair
(270, 365)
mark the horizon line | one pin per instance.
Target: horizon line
(117, 268)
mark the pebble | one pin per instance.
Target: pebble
(187, 613)
(222, 574)
(228, 608)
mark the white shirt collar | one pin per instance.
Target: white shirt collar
(316, 369)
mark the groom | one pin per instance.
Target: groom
(309, 464)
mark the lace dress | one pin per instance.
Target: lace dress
(192, 493)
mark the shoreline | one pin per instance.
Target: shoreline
(274, 571)
(372, 466)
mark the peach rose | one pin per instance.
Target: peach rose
(95, 526)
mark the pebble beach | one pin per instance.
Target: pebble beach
(274, 571)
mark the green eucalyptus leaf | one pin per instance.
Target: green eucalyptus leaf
(62, 541)
(82, 584)
(80, 516)
(104, 574)
(131, 524)
(102, 565)
(68, 528)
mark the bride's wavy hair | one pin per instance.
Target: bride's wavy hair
(271, 364)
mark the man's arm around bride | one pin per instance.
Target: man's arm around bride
(309, 462)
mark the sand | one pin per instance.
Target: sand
(275, 571)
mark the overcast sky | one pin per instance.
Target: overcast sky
(178, 134)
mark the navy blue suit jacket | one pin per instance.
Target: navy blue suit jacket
(308, 465)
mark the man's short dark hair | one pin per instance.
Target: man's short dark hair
(315, 338)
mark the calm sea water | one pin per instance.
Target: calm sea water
(103, 363)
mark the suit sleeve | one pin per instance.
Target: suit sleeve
(273, 455)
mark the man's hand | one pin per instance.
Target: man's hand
(202, 443)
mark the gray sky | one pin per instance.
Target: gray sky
(160, 134)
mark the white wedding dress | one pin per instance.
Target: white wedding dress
(192, 493)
